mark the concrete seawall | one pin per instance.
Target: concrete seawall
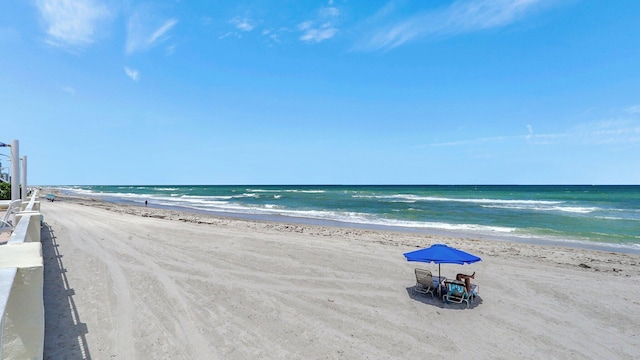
(21, 286)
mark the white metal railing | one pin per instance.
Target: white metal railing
(12, 208)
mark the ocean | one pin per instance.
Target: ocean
(601, 217)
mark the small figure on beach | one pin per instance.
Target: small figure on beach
(466, 279)
(145, 203)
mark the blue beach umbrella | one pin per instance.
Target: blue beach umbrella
(441, 254)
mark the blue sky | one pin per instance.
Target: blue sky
(322, 92)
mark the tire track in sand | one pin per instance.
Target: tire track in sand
(82, 235)
(119, 256)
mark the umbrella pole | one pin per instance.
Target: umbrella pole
(439, 278)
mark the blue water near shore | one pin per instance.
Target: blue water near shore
(597, 216)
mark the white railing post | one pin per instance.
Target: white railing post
(15, 170)
(24, 178)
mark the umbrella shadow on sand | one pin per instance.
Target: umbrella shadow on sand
(437, 301)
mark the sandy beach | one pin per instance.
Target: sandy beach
(127, 282)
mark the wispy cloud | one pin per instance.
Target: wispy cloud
(69, 90)
(170, 50)
(161, 31)
(323, 27)
(483, 140)
(72, 23)
(608, 132)
(271, 35)
(142, 36)
(226, 35)
(317, 33)
(243, 24)
(132, 73)
(635, 109)
(463, 16)
(616, 131)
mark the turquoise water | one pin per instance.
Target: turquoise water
(605, 215)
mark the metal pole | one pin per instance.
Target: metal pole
(15, 170)
(24, 178)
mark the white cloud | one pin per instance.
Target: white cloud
(305, 25)
(271, 35)
(72, 23)
(329, 12)
(462, 16)
(69, 90)
(493, 139)
(228, 34)
(133, 74)
(162, 30)
(207, 20)
(141, 36)
(243, 24)
(322, 28)
(317, 34)
(635, 109)
(616, 131)
(608, 132)
(170, 50)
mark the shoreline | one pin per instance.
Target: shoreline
(382, 235)
(302, 221)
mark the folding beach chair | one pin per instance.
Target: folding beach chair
(457, 292)
(424, 282)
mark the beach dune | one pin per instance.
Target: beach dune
(131, 282)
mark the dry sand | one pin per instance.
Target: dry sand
(124, 282)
